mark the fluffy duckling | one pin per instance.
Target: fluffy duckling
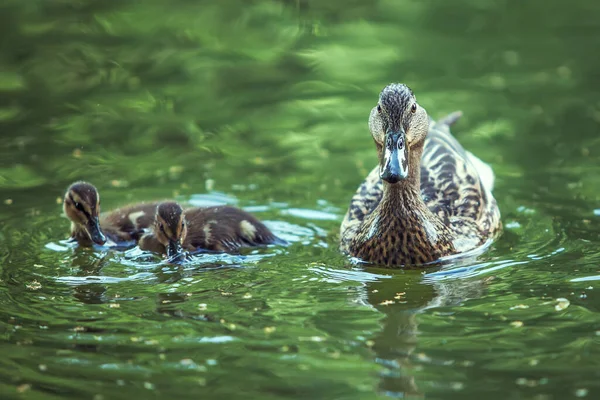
(220, 229)
(123, 226)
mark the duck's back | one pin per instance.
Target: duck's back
(455, 185)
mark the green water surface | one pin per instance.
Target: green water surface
(264, 104)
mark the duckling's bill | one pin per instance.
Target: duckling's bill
(93, 229)
(175, 251)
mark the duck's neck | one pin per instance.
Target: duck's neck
(406, 194)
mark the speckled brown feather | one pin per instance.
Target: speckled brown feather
(128, 223)
(453, 212)
(220, 228)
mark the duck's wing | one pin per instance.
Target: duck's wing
(454, 183)
(457, 186)
(364, 201)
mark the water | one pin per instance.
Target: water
(264, 105)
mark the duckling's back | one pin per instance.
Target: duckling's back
(128, 223)
(225, 228)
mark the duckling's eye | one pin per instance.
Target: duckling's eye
(413, 108)
(161, 227)
(378, 108)
(78, 206)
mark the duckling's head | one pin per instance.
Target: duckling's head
(82, 206)
(170, 228)
(399, 126)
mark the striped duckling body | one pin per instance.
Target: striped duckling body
(217, 229)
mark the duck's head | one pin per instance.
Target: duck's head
(399, 126)
(82, 206)
(170, 228)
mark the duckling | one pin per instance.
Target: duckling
(218, 229)
(428, 198)
(123, 226)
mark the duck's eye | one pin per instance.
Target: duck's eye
(161, 227)
(378, 108)
(78, 206)
(413, 108)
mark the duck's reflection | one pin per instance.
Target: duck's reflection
(402, 300)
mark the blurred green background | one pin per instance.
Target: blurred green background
(264, 104)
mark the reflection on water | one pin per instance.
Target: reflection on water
(264, 105)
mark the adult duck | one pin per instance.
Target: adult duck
(427, 199)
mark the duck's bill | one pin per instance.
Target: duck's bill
(93, 228)
(395, 157)
(175, 252)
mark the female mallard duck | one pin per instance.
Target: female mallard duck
(219, 229)
(427, 199)
(123, 226)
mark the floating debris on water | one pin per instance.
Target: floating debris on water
(33, 285)
(119, 183)
(562, 303)
(516, 324)
(581, 392)
(311, 339)
(519, 306)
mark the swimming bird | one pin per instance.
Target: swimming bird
(428, 198)
(212, 229)
(122, 227)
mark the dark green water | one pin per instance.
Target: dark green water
(264, 104)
